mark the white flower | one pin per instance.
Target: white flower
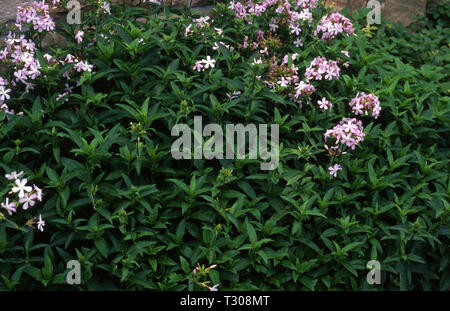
(257, 61)
(13, 175)
(209, 62)
(295, 29)
(21, 187)
(188, 30)
(83, 66)
(298, 42)
(40, 223)
(4, 93)
(214, 288)
(283, 82)
(106, 6)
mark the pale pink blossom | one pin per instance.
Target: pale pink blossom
(27, 200)
(10, 207)
(334, 169)
(79, 36)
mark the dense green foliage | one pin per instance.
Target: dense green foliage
(135, 218)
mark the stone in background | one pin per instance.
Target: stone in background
(402, 11)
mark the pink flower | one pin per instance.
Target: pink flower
(83, 66)
(304, 89)
(365, 104)
(324, 104)
(20, 76)
(69, 58)
(334, 169)
(345, 53)
(295, 28)
(198, 66)
(35, 13)
(38, 192)
(332, 25)
(79, 36)
(349, 132)
(265, 51)
(27, 200)
(319, 66)
(10, 207)
(298, 42)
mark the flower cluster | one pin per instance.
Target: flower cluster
(36, 14)
(200, 23)
(320, 66)
(349, 132)
(332, 25)
(304, 89)
(246, 10)
(20, 52)
(79, 66)
(306, 4)
(365, 104)
(26, 196)
(4, 90)
(282, 74)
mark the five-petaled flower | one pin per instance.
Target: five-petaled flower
(10, 207)
(27, 200)
(79, 36)
(13, 175)
(4, 93)
(334, 169)
(209, 62)
(198, 66)
(324, 104)
(21, 187)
